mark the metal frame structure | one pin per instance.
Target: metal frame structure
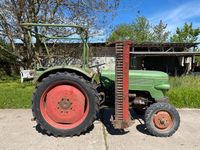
(166, 53)
(83, 37)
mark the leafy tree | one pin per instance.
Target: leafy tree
(159, 33)
(122, 32)
(141, 28)
(138, 31)
(187, 34)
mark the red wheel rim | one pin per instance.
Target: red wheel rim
(64, 106)
(163, 120)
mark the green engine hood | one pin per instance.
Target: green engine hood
(155, 82)
(142, 74)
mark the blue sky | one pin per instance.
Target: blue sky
(172, 12)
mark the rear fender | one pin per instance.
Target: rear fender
(85, 72)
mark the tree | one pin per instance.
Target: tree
(187, 34)
(141, 29)
(5, 59)
(15, 12)
(138, 31)
(159, 33)
(122, 32)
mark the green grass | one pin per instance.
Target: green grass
(13, 94)
(4, 78)
(184, 92)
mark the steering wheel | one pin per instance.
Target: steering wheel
(97, 66)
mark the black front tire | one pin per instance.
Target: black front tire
(151, 127)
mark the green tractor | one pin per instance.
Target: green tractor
(67, 98)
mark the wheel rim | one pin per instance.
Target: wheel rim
(64, 106)
(163, 120)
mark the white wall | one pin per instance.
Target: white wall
(109, 62)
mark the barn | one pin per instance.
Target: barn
(172, 58)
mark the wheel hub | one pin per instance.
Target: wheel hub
(163, 120)
(64, 104)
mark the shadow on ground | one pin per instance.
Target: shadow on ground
(44, 132)
(106, 115)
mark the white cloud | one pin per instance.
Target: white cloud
(176, 17)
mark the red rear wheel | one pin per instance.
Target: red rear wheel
(65, 104)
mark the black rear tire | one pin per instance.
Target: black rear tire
(161, 107)
(72, 79)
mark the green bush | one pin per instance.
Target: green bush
(197, 59)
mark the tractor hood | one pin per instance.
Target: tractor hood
(141, 79)
(142, 74)
(148, 74)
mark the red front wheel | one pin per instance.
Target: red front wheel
(162, 119)
(65, 104)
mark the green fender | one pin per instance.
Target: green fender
(81, 71)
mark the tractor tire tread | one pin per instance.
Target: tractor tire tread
(161, 106)
(92, 118)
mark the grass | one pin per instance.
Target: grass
(184, 92)
(13, 94)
